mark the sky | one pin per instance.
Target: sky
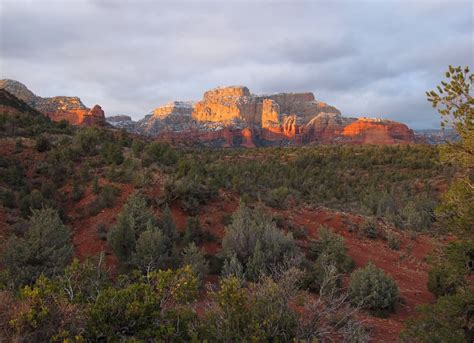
(368, 58)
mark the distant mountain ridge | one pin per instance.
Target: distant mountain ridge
(436, 136)
(229, 117)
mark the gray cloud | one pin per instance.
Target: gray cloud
(365, 57)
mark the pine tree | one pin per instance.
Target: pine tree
(168, 226)
(233, 267)
(257, 265)
(151, 250)
(45, 249)
(194, 257)
(134, 219)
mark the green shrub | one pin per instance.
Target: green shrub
(370, 228)
(393, 241)
(195, 233)
(193, 256)
(42, 144)
(95, 185)
(45, 249)
(112, 153)
(256, 241)
(168, 225)
(134, 219)
(328, 250)
(152, 251)
(450, 273)
(447, 320)
(150, 309)
(106, 199)
(277, 197)
(373, 290)
(77, 191)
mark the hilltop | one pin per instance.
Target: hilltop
(57, 108)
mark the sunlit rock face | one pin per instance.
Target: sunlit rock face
(57, 108)
(233, 116)
(226, 105)
(378, 131)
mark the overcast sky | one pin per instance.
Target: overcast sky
(374, 58)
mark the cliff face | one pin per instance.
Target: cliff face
(57, 108)
(376, 131)
(232, 116)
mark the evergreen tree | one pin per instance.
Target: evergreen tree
(256, 265)
(134, 219)
(374, 290)
(167, 224)
(247, 228)
(455, 104)
(152, 250)
(233, 267)
(194, 257)
(45, 249)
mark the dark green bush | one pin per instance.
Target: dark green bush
(370, 228)
(393, 241)
(45, 249)
(42, 144)
(373, 290)
(256, 241)
(451, 271)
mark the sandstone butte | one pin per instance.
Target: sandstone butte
(57, 108)
(232, 116)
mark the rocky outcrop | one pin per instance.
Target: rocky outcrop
(57, 108)
(227, 105)
(325, 127)
(18, 89)
(378, 131)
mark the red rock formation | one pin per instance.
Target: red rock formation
(225, 105)
(375, 131)
(247, 138)
(95, 116)
(285, 118)
(270, 114)
(57, 108)
(80, 116)
(325, 127)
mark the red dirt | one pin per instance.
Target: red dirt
(85, 237)
(407, 266)
(409, 269)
